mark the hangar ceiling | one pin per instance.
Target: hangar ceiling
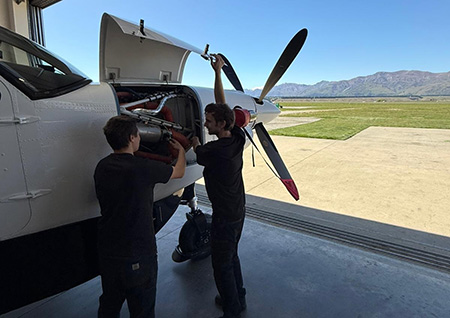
(43, 3)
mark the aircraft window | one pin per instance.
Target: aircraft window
(34, 70)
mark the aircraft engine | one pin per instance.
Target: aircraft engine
(162, 114)
(153, 134)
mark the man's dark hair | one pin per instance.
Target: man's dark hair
(221, 112)
(118, 131)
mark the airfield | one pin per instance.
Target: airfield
(396, 176)
(368, 238)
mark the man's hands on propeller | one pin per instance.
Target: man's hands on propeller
(217, 62)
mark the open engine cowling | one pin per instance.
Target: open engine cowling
(161, 115)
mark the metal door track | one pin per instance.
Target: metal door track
(434, 260)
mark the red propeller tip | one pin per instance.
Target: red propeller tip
(291, 187)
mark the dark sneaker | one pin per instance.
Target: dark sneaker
(242, 301)
(218, 300)
(230, 316)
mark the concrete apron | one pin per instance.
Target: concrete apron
(398, 176)
(393, 176)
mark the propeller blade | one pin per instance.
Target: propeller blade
(289, 54)
(275, 159)
(231, 74)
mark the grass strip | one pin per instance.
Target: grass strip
(341, 121)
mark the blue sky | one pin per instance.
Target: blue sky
(346, 38)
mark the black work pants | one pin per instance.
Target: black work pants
(225, 237)
(133, 279)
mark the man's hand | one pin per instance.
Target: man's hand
(175, 144)
(217, 62)
(195, 142)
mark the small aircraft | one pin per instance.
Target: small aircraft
(51, 119)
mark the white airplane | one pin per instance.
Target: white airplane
(51, 119)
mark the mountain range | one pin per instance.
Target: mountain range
(400, 83)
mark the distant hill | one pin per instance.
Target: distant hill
(401, 83)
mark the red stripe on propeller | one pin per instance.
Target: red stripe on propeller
(291, 187)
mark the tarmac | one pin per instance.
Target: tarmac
(388, 185)
(395, 176)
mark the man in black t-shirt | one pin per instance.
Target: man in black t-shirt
(222, 161)
(126, 237)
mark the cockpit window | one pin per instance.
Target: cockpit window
(34, 70)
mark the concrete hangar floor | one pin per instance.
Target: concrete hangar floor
(288, 272)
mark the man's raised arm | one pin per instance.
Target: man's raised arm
(219, 93)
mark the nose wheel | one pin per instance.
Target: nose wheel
(195, 237)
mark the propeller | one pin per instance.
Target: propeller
(275, 159)
(285, 60)
(287, 57)
(231, 74)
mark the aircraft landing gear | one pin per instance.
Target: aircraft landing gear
(195, 236)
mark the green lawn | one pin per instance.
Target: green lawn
(340, 120)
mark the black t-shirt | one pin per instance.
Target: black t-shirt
(222, 160)
(124, 185)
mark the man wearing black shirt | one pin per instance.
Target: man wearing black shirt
(126, 237)
(222, 161)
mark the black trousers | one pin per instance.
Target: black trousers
(131, 279)
(225, 238)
